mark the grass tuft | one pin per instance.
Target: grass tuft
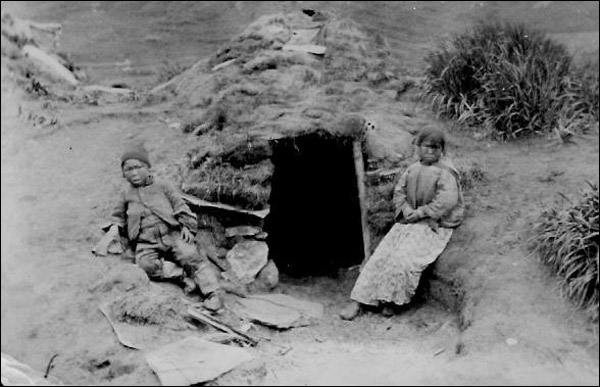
(247, 188)
(566, 240)
(510, 79)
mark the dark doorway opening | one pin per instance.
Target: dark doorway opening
(314, 223)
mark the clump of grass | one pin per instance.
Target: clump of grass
(508, 78)
(243, 49)
(586, 87)
(470, 172)
(271, 63)
(566, 240)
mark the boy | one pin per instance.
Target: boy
(159, 227)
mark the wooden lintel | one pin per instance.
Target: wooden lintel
(196, 202)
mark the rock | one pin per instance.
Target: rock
(49, 64)
(261, 236)
(15, 373)
(512, 342)
(246, 259)
(268, 277)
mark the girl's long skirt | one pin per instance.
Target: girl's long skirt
(392, 273)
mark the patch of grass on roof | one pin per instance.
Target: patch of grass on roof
(246, 188)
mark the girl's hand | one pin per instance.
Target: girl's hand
(186, 235)
(412, 217)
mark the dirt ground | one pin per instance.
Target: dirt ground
(512, 327)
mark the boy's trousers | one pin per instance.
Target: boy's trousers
(157, 244)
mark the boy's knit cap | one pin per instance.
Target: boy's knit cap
(137, 152)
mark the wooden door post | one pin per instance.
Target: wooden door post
(360, 181)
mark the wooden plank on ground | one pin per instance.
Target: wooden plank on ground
(200, 315)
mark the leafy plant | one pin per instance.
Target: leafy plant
(470, 172)
(508, 78)
(566, 239)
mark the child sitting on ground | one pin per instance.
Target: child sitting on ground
(159, 227)
(428, 204)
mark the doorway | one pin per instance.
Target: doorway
(314, 223)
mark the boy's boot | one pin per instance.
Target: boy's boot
(213, 302)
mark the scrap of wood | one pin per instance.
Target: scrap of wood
(439, 351)
(309, 48)
(204, 317)
(224, 64)
(106, 314)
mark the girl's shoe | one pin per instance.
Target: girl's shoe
(351, 311)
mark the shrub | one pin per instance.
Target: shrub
(508, 78)
(586, 85)
(566, 239)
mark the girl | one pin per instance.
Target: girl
(428, 204)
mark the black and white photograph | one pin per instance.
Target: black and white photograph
(300, 193)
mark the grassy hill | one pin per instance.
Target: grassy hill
(128, 40)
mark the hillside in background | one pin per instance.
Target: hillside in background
(127, 41)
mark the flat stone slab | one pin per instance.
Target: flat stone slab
(277, 310)
(15, 373)
(193, 360)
